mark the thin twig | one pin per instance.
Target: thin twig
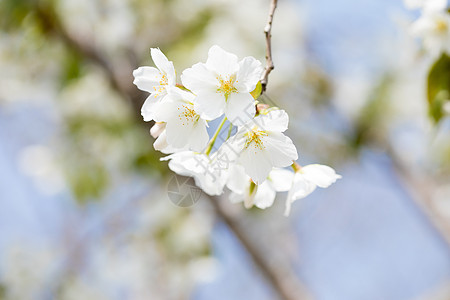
(268, 34)
(283, 281)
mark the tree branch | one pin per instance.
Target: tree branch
(268, 35)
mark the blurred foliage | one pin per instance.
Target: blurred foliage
(88, 181)
(368, 127)
(72, 67)
(318, 85)
(14, 12)
(439, 87)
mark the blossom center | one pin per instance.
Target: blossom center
(226, 86)
(188, 115)
(163, 81)
(254, 138)
(441, 25)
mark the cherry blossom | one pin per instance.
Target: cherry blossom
(263, 195)
(433, 26)
(223, 85)
(205, 170)
(184, 127)
(260, 145)
(305, 181)
(156, 81)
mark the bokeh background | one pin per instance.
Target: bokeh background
(84, 210)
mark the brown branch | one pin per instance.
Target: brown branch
(268, 35)
(283, 281)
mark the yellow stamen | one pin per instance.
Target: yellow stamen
(226, 86)
(188, 114)
(254, 138)
(441, 26)
(164, 80)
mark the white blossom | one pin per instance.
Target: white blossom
(156, 81)
(433, 26)
(157, 129)
(223, 85)
(184, 127)
(305, 181)
(263, 195)
(260, 145)
(426, 5)
(203, 168)
(434, 29)
(162, 145)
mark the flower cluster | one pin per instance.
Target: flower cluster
(433, 26)
(249, 162)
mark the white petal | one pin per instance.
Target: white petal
(249, 73)
(281, 179)
(209, 104)
(413, 4)
(198, 78)
(147, 78)
(265, 195)
(157, 129)
(178, 135)
(150, 108)
(177, 94)
(161, 142)
(276, 120)
(229, 152)
(240, 108)
(222, 62)
(176, 163)
(163, 64)
(156, 108)
(430, 6)
(300, 189)
(188, 163)
(256, 163)
(238, 181)
(211, 181)
(199, 136)
(321, 175)
(280, 148)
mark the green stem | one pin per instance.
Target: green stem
(216, 134)
(229, 130)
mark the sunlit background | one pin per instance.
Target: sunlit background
(84, 206)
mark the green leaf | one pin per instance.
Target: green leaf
(257, 91)
(438, 87)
